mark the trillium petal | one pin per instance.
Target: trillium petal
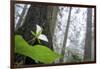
(38, 29)
(43, 37)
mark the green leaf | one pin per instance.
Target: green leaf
(44, 54)
(37, 52)
(33, 33)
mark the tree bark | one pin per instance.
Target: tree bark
(52, 17)
(88, 39)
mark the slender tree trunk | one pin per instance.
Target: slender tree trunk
(66, 35)
(88, 39)
(21, 19)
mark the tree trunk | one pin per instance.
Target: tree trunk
(22, 16)
(52, 17)
(88, 39)
(66, 35)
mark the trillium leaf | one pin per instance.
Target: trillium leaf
(19, 41)
(44, 54)
(43, 37)
(38, 29)
(37, 52)
(33, 33)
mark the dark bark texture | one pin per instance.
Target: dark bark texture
(88, 39)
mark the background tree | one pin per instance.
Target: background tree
(21, 16)
(66, 35)
(88, 39)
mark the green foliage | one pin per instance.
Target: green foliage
(36, 36)
(74, 56)
(33, 33)
(37, 52)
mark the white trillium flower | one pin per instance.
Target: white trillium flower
(41, 36)
(38, 29)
